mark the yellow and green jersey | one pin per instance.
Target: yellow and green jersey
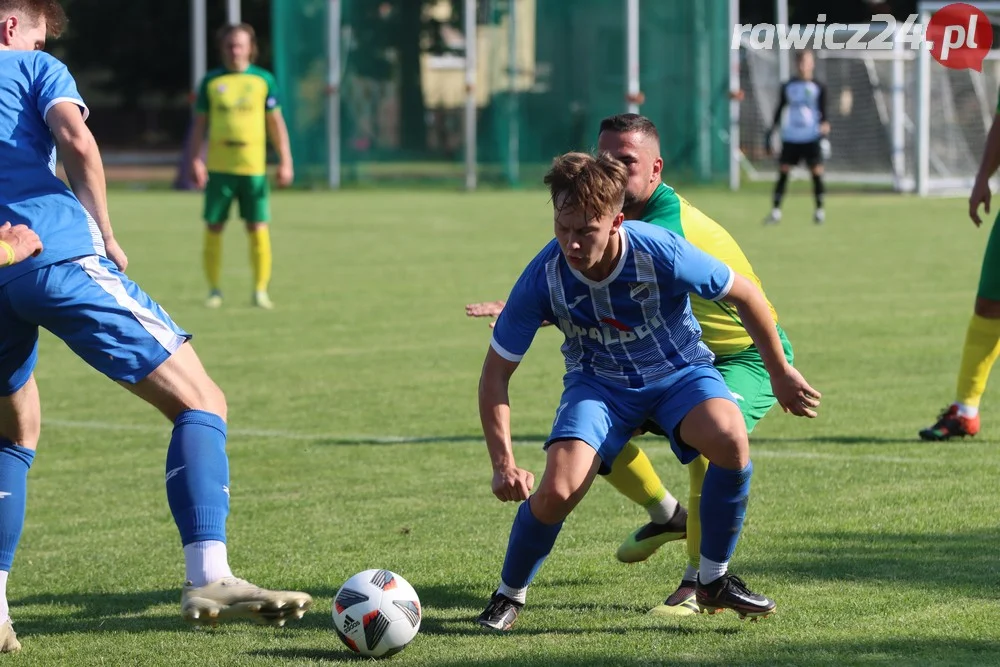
(722, 330)
(236, 104)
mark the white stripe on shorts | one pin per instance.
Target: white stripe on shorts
(149, 320)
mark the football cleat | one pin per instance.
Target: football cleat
(8, 639)
(644, 542)
(501, 613)
(774, 217)
(819, 216)
(231, 598)
(262, 300)
(681, 602)
(729, 592)
(214, 299)
(950, 425)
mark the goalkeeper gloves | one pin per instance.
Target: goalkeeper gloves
(824, 148)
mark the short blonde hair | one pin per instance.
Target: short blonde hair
(593, 185)
(226, 30)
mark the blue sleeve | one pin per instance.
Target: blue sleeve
(697, 272)
(526, 309)
(53, 84)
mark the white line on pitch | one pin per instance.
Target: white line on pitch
(412, 440)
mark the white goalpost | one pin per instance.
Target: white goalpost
(955, 109)
(899, 119)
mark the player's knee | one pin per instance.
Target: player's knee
(987, 308)
(553, 501)
(207, 397)
(729, 447)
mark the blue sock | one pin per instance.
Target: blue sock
(529, 545)
(724, 496)
(14, 464)
(198, 476)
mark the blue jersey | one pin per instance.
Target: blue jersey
(31, 83)
(632, 329)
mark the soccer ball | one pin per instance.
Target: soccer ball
(376, 613)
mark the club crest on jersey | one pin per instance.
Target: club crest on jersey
(639, 291)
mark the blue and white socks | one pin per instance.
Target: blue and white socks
(197, 480)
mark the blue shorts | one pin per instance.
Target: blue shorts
(606, 416)
(104, 317)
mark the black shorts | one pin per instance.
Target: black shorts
(793, 153)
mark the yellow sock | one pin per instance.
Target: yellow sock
(212, 258)
(633, 475)
(982, 346)
(260, 257)
(696, 471)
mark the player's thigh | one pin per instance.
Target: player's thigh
(20, 413)
(220, 190)
(596, 415)
(813, 155)
(989, 275)
(791, 154)
(180, 383)
(700, 416)
(104, 317)
(255, 199)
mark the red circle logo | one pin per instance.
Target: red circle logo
(960, 36)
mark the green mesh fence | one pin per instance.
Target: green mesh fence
(403, 85)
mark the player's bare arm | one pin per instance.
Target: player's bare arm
(509, 481)
(988, 165)
(17, 243)
(198, 170)
(82, 160)
(277, 132)
(792, 391)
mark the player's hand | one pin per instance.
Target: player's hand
(512, 484)
(116, 254)
(824, 128)
(286, 174)
(768, 142)
(199, 173)
(22, 239)
(485, 309)
(794, 394)
(980, 195)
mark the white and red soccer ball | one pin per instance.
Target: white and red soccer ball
(376, 613)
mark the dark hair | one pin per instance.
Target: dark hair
(629, 122)
(227, 30)
(594, 185)
(50, 10)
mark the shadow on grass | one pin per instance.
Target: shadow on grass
(98, 612)
(860, 652)
(962, 563)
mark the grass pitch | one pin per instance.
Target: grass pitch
(355, 443)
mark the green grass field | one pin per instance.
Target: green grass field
(355, 443)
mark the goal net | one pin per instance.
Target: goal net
(899, 119)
